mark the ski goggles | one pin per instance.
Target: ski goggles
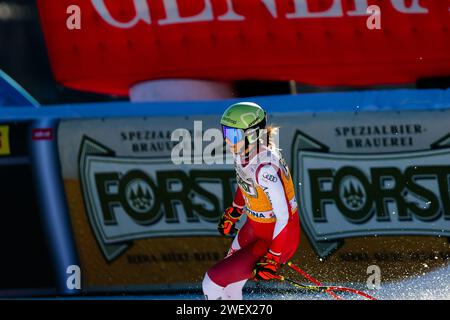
(234, 135)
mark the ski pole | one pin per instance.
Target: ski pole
(310, 278)
(305, 286)
(327, 289)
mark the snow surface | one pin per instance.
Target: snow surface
(433, 285)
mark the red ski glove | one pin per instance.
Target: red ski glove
(267, 267)
(228, 220)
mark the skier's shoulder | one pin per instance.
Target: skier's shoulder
(268, 157)
(268, 162)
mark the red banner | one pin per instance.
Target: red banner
(329, 42)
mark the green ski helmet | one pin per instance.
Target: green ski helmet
(240, 118)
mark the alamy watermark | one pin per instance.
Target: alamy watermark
(73, 281)
(374, 21)
(73, 21)
(210, 147)
(374, 280)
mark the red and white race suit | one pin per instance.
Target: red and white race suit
(266, 195)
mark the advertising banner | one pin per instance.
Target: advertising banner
(138, 218)
(106, 46)
(372, 188)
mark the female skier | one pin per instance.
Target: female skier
(265, 193)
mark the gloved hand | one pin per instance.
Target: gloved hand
(228, 220)
(267, 267)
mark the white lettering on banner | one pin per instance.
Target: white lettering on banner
(174, 17)
(302, 10)
(142, 13)
(230, 15)
(400, 5)
(271, 7)
(360, 8)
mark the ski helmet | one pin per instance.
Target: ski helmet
(243, 117)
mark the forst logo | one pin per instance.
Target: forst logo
(140, 196)
(128, 199)
(135, 194)
(147, 202)
(356, 195)
(359, 197)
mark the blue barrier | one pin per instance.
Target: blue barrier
(315, 102)
(46, 176)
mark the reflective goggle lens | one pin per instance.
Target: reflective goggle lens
(233, 134)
